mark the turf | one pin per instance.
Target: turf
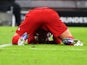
(43, 54)
(6, 34)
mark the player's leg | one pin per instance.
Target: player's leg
(57, 27)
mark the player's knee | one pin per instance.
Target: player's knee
(15, 39)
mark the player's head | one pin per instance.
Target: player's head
(41, 35)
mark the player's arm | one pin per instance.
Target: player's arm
(15, 39)
(68, 39)
(19, 40)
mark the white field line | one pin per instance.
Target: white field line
(72, 49)
(5, 45)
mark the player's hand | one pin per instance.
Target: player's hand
(22, 39)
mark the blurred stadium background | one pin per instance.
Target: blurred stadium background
(72, 12)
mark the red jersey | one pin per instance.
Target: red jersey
(44, 18)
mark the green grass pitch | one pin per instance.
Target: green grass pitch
(43, 54)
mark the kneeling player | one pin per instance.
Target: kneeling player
(46, 19)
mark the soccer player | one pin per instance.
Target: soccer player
(46, 19)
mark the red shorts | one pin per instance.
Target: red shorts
(45, 18)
